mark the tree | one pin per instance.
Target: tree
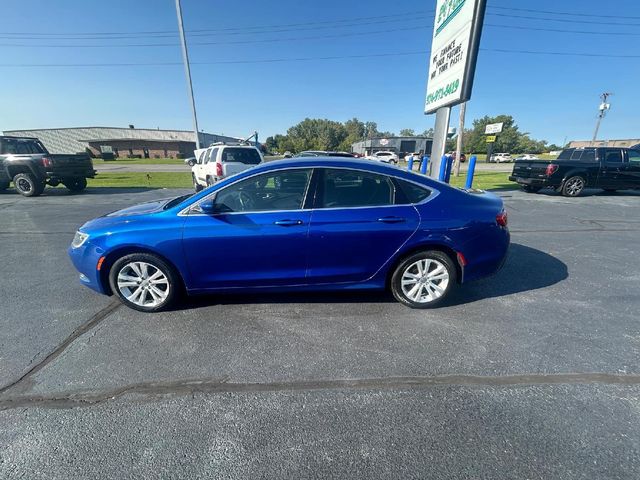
(427, 133)
(407, 132)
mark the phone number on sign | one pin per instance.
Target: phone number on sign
(443, 91)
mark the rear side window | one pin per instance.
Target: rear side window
(248, 156)
(20, 147)
(589, 155)
(211, 154)
(576, 155)
(342, 188)
(566, 154)
(410, 192)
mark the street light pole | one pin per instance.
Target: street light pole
(187, 72)
(604, 106)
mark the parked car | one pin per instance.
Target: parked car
(527, 156)
(287, 154)
(221, 161)
(28, 164)
(299, 224)
(191, 161)
(501, 158)
(575, 169)
(384, 156)
(463, 157)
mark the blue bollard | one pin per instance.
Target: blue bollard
(410, 163)
(447, 177)
(472, 167)
(443, 168)
(424, 164)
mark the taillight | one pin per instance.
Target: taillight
(551, 169)
(501, 219)
(47, 162)
(219, 170)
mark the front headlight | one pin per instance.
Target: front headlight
(79, 239)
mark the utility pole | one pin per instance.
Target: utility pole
(187, 72)
(463, 109)
(604, 106)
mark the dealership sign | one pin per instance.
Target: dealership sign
(454, 49)
(492, 128)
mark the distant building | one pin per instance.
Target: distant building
(399, 145)
(122, 142)
(630, 142)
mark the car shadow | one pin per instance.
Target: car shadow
(64, 192)
(524, 270)
(590, 192)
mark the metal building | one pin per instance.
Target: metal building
(399, 145)
(122, 142)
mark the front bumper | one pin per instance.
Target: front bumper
(85, 259)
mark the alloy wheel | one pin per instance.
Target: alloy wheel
(574, 186)
(143, 284)
(425, 280)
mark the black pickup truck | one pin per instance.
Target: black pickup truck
(26, 163)
(609, 168)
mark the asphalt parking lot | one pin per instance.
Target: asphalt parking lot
(534, 373)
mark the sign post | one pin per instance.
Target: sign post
(489, 129)
(452, 64)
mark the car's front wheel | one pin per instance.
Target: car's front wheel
(144, 282)
(196, 186)
(424, 279)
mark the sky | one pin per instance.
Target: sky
(88, 63)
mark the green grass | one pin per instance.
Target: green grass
(140, 179)
(482, 180)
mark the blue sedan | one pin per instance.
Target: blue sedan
(298, 224)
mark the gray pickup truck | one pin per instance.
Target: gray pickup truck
(28, 164)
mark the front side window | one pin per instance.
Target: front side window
(352, 188)
(248, 156)
(281, 190)
(634, 157)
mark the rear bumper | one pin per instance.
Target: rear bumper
(535, 182)
(71, 173)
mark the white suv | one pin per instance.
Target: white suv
(384, 156)
(221, 161)
(501, 158)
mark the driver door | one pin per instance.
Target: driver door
(257, 237)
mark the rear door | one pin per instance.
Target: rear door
(238, 159)
(611, 170)
(356, 227)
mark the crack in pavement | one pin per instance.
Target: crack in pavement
(154, 390)
(90, 324)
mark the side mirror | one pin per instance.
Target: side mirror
(208, 207)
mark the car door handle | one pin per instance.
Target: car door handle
(392, 219)
(287, 222)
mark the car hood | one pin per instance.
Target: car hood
(142, 208)
(126, 215)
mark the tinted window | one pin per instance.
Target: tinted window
(21, 147)
(248, 156)
(352, 188)
(410, 192)
(576, 155)
(589, 155)
(566, 154)
(613, 156)
(282, 190)
(634, 157)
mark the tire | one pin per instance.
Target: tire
(196, 186)
(129, 280)
(4, 184)
(427, 294)
(75, 184)
(530, 189)
(573, 186)
(27, 185)
(209, 182)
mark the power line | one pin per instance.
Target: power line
(573, 14)
(564, 20)
(302, 59)
(558, 30)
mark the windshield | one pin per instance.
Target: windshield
(177, 200)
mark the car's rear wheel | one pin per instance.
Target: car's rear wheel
(573, 186)
(196, 186)
(27, 185)
(530, 189)
(424, 279)
(144, 282)
(75, 184)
